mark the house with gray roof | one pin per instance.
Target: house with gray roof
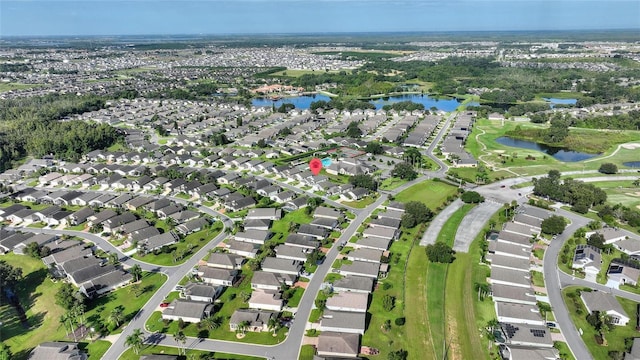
(342, 321)
(380, 232)
(338, 345)
(314, 231)
(329, 213)
(157, 242)
(510, 277)
(360, 268)
(513, 294)
(80, 216)
(281, 266)
(604, 302)
(188, 310)
(243, 249)
(201, 292)
(518, 313)
(365, 254)
(289, 252)
(104, 283)
(374, 243)
(354, 284)
(264, 214)
(529, 336)
(258, 320)
(225, 261)
(303, 241)
(57, 351)
(621, 274)
(271, 281)
(509, 262)
(253, 236)
(217, 276)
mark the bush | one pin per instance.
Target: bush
(440, 252)
(400, 321)
(553, 225)
(608, 168)
(472, 197)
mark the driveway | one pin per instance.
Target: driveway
(472, 224)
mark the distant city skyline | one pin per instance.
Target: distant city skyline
(223, 17)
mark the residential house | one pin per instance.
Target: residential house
(243, 249)
(253, 236)
(188, 310)
(225, 261)
(360, 268)
(271, 281)
(518, 313)
(348, 301)
(258, 320)
(604, 302)
(353, 283)
(622, 274)
(281, 266)
(338, 345)
(217, 276)
(341, 321)
(266, 300)
(57, 351)
(201, 292)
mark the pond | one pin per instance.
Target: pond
(632, 164)
(555, 101)
(304, 101)
(558, 153)
(301, 102)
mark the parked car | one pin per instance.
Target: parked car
(164, 305)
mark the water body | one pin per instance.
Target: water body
(558, 153)
(304, 101)
(301, 102)
(633, 164)
(555, 101)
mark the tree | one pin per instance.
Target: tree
(113, 258)
(440, 252)
(242, 327)
(136, 271)
(9, 275)
(5, 352)
(388, 302)
(636, 182)
(412, 156)
(553, 225)
(419, 210)
(273, 325)
(597, 240)
(608, 168)
(404, 171)
(33, 250)
(181, 339)
(135, 340)
(211, 322)
(66, 296)
(472, 197)
(408, 220)
(364, 181)
(314, 202)
(374, 148)
(321, 304)
(116, 316)
(398, 355)
(353, 131)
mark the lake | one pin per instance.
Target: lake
(304, 101)
(558, 153)
(633, 164)
(301, 102)
(555, 101)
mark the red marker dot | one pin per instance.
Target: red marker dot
(315, 165)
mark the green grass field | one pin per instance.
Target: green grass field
(431, 193)
(16, 86)
(97, 348)
(615, 338)
(621, 192)
(36, 293)
(498, 156)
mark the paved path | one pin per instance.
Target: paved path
(431, 235)
(472, 224)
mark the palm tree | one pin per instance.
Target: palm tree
(242, 327)
(273, 325)
(180, 338)
(113, 258)
(116, 316)
(636, 182)
(136, 271)
(135, 340)
(211, 322)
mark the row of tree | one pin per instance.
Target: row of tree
(581, 196)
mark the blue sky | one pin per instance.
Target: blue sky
(128, 17)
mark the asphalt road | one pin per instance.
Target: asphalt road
(554, 289)
(431, 235)
(472, 223)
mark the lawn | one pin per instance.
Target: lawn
(230, 300)
(563, 349)
(621, 192)
(36, 293)
(195, 241)
(440, 314)
(362, 203)
(16, 86)
(496, 155)
(395, 286)
(307, 352)
(191, 354)
(99, 309)
(615, 338)
(96, 349)
(431, 193)
(537, 278)
(391, 183)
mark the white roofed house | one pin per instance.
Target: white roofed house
(604, 302)
(353, 283)
(264, 214)
(253, 236)
(343, 321)
(244, 249)
(589, 259)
